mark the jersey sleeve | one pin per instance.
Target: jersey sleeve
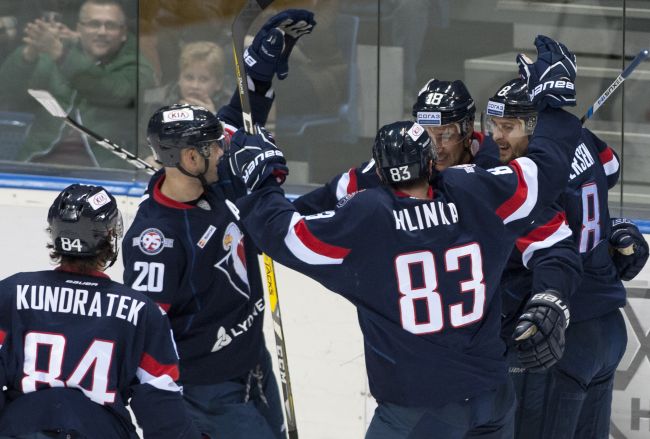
(549, 251)
(231, 114)
(327, 196)
(519, 191)
(316, 245)
(157, 274)
(155, 397)
(607, 158)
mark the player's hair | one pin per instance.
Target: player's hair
(106, 253)
(205, 51)
(117, 3)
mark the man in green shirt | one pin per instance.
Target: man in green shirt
(94, 72)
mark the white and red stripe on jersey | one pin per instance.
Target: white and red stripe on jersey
(308, 248)
(522, 202)
(544, 236)
(609, 161)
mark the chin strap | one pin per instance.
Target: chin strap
(201, 176)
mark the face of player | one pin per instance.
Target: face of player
(102, 30)
(451, 148)
(216, 152)
(510, 135)
(197, 82)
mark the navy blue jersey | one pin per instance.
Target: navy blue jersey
(77, 347)
(423, 274)
(594, 170)
(194, 260)
(485, 153)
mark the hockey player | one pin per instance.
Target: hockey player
(77, 346)
(574, 399)
(441, 107)
(428, 307)
(186, 249)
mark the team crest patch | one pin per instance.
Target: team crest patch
(152, 241)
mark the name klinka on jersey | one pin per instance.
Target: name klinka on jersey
(77, 301)
(425, 216)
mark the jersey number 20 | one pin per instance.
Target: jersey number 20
(426, 290)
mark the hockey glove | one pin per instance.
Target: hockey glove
(262, 57)
(550, 79)
(540, 331)
(294, 23)
(630, 248)
(255, 159)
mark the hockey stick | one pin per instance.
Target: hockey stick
(618, 81)
(240, 27)
(53, 107)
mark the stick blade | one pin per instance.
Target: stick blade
(49, 102)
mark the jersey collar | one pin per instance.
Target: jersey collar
(401, 194)
(163, 199)
(94, 273)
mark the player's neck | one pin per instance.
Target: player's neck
(180, 187)
(419, 190)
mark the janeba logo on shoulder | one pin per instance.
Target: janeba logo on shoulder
(176, 115)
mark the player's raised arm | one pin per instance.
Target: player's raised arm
(525, 186)
(267, 56)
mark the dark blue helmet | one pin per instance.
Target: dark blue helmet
(443, 103)
(513, 101)
(82, 219)
(402, 152)
(176, 127)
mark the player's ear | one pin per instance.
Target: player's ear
(189, 158)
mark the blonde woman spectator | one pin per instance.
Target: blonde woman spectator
(200, 80)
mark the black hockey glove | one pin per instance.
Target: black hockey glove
(630, 249)
(550, 79)
(255, 159)
(262, 57)
(540, 331)
(294, 23)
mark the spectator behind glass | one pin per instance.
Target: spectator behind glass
(200, 79)
(93, 72)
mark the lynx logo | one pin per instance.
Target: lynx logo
(176, 115)
(248, 59)
(429, 118)
(226, 336)
(223, 340)
(495, 109)
(152, 241)
(631, 396)
(552, 84)
(98, 200)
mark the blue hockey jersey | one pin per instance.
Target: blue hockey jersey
(194, 260)
(76, 348)
(423, 274)
(594, 170)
